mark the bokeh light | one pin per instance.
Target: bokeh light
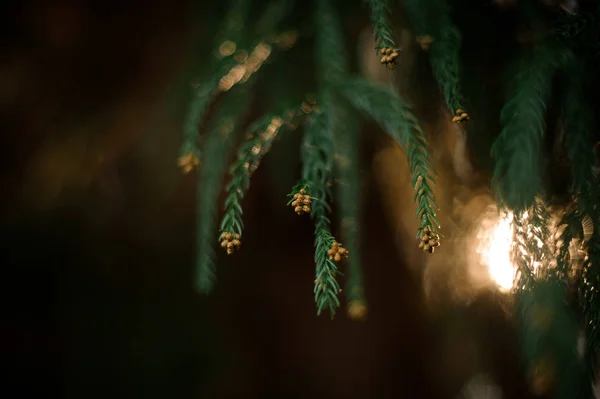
(495, 239)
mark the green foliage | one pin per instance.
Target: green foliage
(203, 96)
(260, 138)
(571, 227)
(396, 117)
(432, 18)
(317, 165)
(518, 149)
(590, 300)
(332, 62)
(578, 122)
(202, 99)
(219, 142)
(549, 334)
(382, 27)
(533, 249)
(445, 64)
(346, 130)
(520, 255)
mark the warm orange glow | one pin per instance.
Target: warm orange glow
(495, 244)
(227, 48)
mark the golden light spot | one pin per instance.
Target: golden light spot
(227, 48)
(495, 246)
(241, 56)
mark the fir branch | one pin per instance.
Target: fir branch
(532, 250)
(202, 99)
(589, 299)
(396, 117)
(571, 229)
(578, 122)
(203, 96)
(317, 163)
(332, 59)
(382, 27)
(260, 138)
(520, 253)
(540, 237)
(433, 25)
(219, 142)
(549, 335)
(445, 64)
(518, 149)
(345, 128)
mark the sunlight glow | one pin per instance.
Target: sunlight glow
(495, 242)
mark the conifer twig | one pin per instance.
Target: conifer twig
(396, 117)
(345, 128)
(571, 229)
(520, 253)
(317, 163)
(445, 64)
(382, 27)
(219, 142)
(331, 55)
(531, 251)
(517, 150)
(578, 122)
(261, 136)
(548, 335)
(203, 96)
(433, 25)
(386, 48)
(589, 299)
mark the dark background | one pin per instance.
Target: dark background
(98, 234)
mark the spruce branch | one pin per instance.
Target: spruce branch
(518, 149)
(578, 123)
(219, 142)
(532, 251)
(317, 163)
(382, 27)
(520, 253)
(260, 137)
(571, 229)
(548, 334)
(332, 59)
(397, 119)
(435, 30)
(386, 48)
(589, 300)
(345, 128)
(445, 64)
(203, 96)
(202, 99)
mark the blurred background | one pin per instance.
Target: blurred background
(98, 222)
